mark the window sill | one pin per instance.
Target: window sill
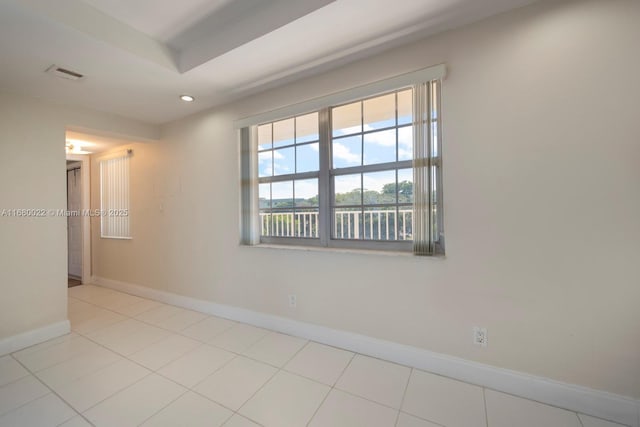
(403, 254)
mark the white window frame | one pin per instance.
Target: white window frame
(427, 168)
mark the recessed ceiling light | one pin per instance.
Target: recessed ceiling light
(187, 98)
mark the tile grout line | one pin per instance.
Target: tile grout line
(331, 389)
(404, 394)
(486, 409)
(279, 369)
(52, 391)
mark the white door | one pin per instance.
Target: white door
(74, 223)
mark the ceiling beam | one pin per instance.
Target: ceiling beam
(234, 25)
(89, 20)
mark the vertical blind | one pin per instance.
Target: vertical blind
(114, 197)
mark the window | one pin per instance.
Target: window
(361, 173)
(114, 196)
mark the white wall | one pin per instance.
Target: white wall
(541, 177)
(33, 251)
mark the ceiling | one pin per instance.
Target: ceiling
(138, 56)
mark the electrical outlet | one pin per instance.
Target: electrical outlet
(292, 301)
(480, 336)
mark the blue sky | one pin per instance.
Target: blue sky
(379, 147)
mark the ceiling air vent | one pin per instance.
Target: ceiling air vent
(63, 73)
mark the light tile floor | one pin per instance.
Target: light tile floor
(131, 361)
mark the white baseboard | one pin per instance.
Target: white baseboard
(575, 398)
(34, 336)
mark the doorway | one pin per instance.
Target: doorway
(74, 224)
(78, 220)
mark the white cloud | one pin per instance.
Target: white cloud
(385, 138)
(342, 152)
(306, 188)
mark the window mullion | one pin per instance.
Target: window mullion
(324, 179)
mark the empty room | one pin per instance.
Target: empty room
(323, 213)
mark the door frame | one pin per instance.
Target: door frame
(85, 205)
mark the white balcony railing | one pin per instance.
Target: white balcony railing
(347, 224)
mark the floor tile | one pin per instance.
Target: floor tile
(44, 345)
(374, 379)
(10, 370)
(207, 329)
(78, 306)
(116, 300)
(196, 365)
(159, 313)
(85, 323)
(406, 420)
(164, 351)
(137, 308)
(129, 336)
(341, 409)
(192, 410)
(181, 320)
(588, 421)
(20, 392)
(504, 410)
(240, 421)
(93, 388)
(239, 338)
(90, 293)
(320, 363)
(48, 410)
(444, 401)
(287, 400)
(275, 349)
(234, 383)
(49, 355)
(77, 367)
(133, 405)
(76, 421)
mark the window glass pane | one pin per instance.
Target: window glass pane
(282, 194)
(379, 187)
(265, 223)
(380, 147)
(306, 223)
(283, 133)
(284, 161)
(405, 185)
(380, 223)
(405, 143)
(307, 158)
(265, 167)
(347, 151)
(434, 139)
(405, 107)
(347, 119)
(306, 192)
(282, 224)
(347, 223)
(307, 128)
(347, 190)
(264, 195)
(264, 137)
(405, 223)
(380, 112)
